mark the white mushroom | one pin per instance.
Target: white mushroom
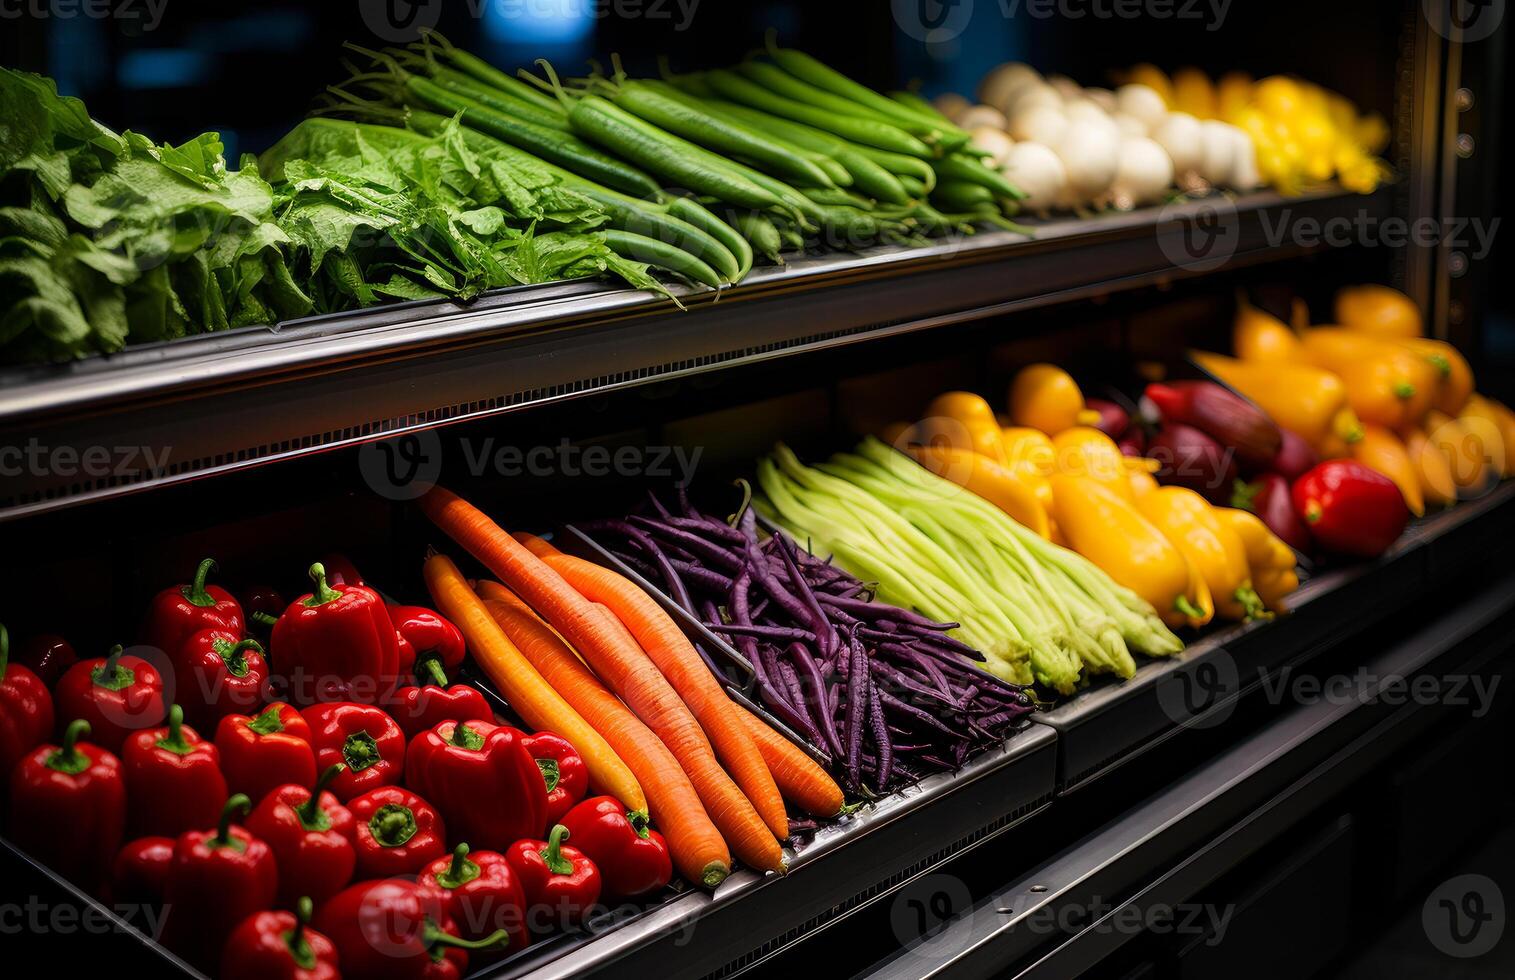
(1141, 101)
(1039, 124)
(1179, 134)
(1142, 174)
(1038, 172)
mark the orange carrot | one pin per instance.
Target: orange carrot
(626, 670)
(800, 779)
(657, 634)
(540, 547)
(538, 703)
(697, 847)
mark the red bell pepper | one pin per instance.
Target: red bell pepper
(633, 859)
(563, 771)
(173, 779)
(337, 644)
(398, 833)
(139, 873)
(68, 806)
(279, 946)
(220, 674)
(340, 570)
(363, 738)
(482, 779)
(219, 877)
(424, 633)
(260, 754)
(1351, 509)
(117, 694)
(481, 894)
(560, 882)
(180, 611)
(433, 702)
(1270, 498)
(312, 836)
(397, 930)
(26, 708)
(48, 655)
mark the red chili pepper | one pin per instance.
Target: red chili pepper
(312, 836)
(26, 708)
(1350, 509)
(560, 882)
(68, 806)
(337, 644)
(340, 570)
(48, 655)
(398, 833)
(482, 779)
(481, 894)
(428, 705)
(173, 779)
(424, 633)
(220, 674)
(363, 738)
(219, 877)
(563, 771)
(260, 754)
(279, 946)
(117, 694)
(397, 930)
(180, 611)
(633, 859)
(140, 871)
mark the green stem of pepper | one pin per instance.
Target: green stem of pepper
(111, 675)
(323, 593)
(460, 871)
(195, 592)
(239, 804)
(431, 668)
(175, 741)
(552, 854)
(5, 650)
(312, 817)
(68, 759)
(299, 946)
(268, 722)
(232, 654)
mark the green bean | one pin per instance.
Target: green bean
(901, 163)
(837, 196)
(821, 76)
(691, 212)
(759, 230)
(916, 101)
(959, 167)
(559, 147)
(870, 132)
(716, 133)
(840, 175)
(779, 82)
(640, 248)
(789, 235)
(488, 74)
(914, 185)
(497, 99)
(960, 195)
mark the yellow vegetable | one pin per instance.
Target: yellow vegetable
(1307, 401)
(1386, 384)
(1045, 397)
(1467, 445)
(963, 420)
(1109, 531)
(1258, 336)
(1274, 586)
(1378, 310)
(1504, 421)
(988, 479)
(1265, 550)
(1454, 374)
(1029, 456)
(1083, 451)
(1216, 551)
(1141, 482)
(1432, 470)
(1381, 450)
(1193, 93)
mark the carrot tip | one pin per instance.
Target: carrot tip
(715, 872)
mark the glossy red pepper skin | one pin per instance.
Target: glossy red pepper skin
(361, 737)
(424, 633)
(340, 570)
(68, 807)
(393, 930)
(633, 859)
(48, 655)
(428, 705)
(482, 779)
(173, 779)
(26, 709)
(139, 873)
(220, 674)
(481, 894)
(218, 878)
(262, 753)
(561, 883)
(180, 611)
(117, 695)
(1271, 498)
(314, 844)
(337, 644)
(397, 832)
(563, 773)
(1351, 509)
(279, 946)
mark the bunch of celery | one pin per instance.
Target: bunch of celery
(1037, 610)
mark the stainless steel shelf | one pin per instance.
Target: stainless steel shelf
(220, 403)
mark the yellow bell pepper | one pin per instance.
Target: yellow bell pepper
(1496, 418)
(1467, 444)
(1187, 520)
(1029, 456)
(1454, 375)
(1381, 450)
(1274, 586)
(1265, 550)
(983, 476)
(1379, 311)
(1432, 470)
(1084, 451)
(1045, 397)
(1109, 531)
(963, 420)
(1386, 384)
(1258, 336)
(1307, 401)
(1142, 483)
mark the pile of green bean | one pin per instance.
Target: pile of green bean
(703, 174)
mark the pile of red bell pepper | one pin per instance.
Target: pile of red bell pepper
(392, 797)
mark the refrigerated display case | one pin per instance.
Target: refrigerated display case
(1260, 801)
